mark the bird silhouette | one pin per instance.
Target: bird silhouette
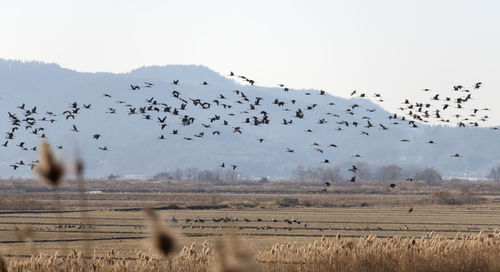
(241, 109)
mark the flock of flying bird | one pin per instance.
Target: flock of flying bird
(29, 118)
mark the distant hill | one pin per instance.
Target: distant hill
(136, 150)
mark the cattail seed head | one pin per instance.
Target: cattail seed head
(79, 167)
(163, 241)
(3, 264)
(49, 168)
(152, 214)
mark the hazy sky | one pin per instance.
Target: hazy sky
(393, 47)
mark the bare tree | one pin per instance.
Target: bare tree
(331, 174)
(178, 174)
(390, 172)
(228, 174)
(494, 173)
(317, 173)
(364, 171)
(299, 173)
(210, 176)
(162, 175)
(191, 173)
(430, 175)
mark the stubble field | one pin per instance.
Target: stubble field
(103, 223)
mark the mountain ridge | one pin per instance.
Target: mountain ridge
(53, 88)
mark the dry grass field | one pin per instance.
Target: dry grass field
(279, 227)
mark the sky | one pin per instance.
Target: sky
(396, 48)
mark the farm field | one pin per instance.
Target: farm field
(277, 226)
(125, 230)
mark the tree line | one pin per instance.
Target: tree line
(195, 174)
(390, 172)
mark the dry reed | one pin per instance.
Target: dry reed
(479, 252)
